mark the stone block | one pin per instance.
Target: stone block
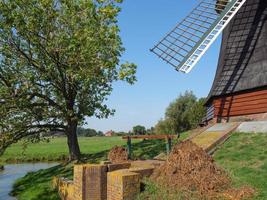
(143, 171)
(119, 166)
(90, 182)
(105, 162)
(123, 185)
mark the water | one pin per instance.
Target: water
(15, 171)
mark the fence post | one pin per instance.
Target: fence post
(129, 147)
(168, 145)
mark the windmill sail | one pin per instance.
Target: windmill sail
(190, 39)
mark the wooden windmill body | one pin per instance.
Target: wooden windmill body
(239, 90)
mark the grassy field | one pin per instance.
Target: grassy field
(37, 185)
(92, 148)
(244, 156)
(57, 150)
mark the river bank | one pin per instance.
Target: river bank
(12, 172)
(37, 185)
(243, 156)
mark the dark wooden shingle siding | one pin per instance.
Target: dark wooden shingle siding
(243, 58)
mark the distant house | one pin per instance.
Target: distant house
(109, 134)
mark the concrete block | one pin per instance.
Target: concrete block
(221, 127)
(253, 127)
(123, 185)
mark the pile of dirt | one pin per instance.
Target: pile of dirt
(239, 194)
(118, 154)
(190, 168)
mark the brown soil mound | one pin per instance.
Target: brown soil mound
(189, 167)
(118, 155)
(239, 194)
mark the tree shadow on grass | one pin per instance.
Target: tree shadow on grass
(146, 149)
(38, 184)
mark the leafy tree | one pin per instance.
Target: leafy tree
(197, 112)
(150, 131)
(139, 130)
(183, 114)
(164, 126)
(179, 112)
(88, 132)
(58, 60)
(100, 133)
(120, 133)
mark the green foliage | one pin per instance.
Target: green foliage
(58, 62)
(139, 130)
(88, 132)
(183, 114)
(120, 133)
(164, 126)
(150, 131)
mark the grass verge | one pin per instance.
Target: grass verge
(37, 185)
(243, 156)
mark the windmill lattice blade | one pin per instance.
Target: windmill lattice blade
(190, 39)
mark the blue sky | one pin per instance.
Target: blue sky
(143, 23)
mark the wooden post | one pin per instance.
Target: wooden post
(129, 147)
(168, 145)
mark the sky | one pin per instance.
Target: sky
(143, 23)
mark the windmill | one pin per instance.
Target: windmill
(239, 90)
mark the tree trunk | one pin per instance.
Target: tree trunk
(74, 149)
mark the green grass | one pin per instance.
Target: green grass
(37, 185)
(56, 149)
(153, 191)
(243, 156)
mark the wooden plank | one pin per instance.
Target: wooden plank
(245, 110)
(242, 96)
(234, 107)
(241, 104)
(250, 99)
(150, 137)
(242, 112)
